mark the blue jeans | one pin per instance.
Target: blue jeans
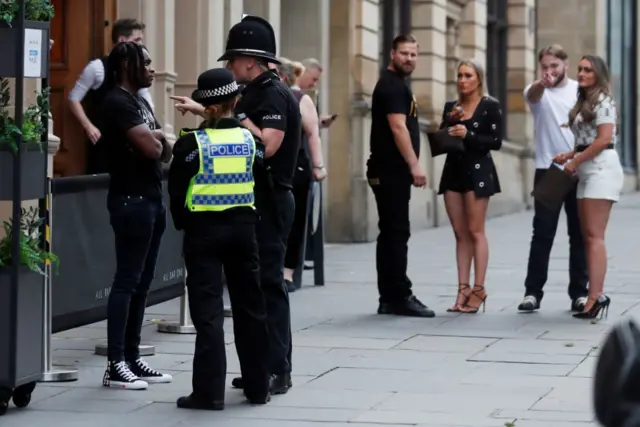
(138, 224)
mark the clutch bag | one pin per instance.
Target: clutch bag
(553, 187)
(441, 142)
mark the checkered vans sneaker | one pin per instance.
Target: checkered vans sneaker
(529, 303)
(147, 373)
(118, 375)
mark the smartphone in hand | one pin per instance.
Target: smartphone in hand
(327, 121)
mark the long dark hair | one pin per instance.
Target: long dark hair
(126, 62)
(588, 97)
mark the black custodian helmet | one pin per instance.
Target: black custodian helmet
(253, 36)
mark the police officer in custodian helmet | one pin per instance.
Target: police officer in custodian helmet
(211, 187)
(269, 109)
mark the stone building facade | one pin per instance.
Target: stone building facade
(351, 38)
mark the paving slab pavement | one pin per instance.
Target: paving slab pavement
(353, 368)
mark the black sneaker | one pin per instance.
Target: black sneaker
(411, 306)
(578, 304)
(118, 375)
(142, 370)
(529, 303)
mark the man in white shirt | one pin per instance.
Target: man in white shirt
(90, 83)
(550, 99)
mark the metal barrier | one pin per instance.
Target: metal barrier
(313, 245)
(50, 374)
(182, 326)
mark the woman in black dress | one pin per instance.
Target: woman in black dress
(469, 179)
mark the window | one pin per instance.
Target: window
(496, 69)
(395, 19)
(621, 50)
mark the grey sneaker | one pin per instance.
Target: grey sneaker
(529, 303)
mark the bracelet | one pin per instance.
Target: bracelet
(319, 167)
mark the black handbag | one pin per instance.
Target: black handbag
(441, 142)
(553, 188)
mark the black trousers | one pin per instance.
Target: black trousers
(206, 252)
(276, 216)
(392, 194)
(138, 225)
(295, 242)
(545, 224)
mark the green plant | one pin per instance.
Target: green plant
(35, 10)
(33, 120)
(31, 253)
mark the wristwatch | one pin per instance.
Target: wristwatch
(241, 116)
(319, 167)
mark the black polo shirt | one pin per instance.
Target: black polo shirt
(270, 104)
(132, 173)
(391, 95)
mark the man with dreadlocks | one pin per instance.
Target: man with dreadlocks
(136, 146)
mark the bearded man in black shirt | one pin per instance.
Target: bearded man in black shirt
(135, 149)
(270, 111)
(391, 170)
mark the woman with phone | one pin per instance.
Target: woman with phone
(470, 178)
(309, 168)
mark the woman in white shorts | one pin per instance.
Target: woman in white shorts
(595, 160)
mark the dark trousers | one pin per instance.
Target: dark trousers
(392, 194)
(276, 216)
(206, 252)
(138, 224)
(295, 242)
(545, 224)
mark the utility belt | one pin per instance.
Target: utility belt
(581, 148)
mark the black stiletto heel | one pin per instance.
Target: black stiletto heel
(600, 308)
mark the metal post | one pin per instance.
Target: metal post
(51, 375)
(184, 325)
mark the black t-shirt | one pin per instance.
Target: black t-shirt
(270, 104)
(392, 95)
(131, 172)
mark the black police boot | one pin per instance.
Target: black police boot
(194, 402)
(280, 383)
(237, 383)
(262, 400)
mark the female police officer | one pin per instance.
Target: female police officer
(211, 187)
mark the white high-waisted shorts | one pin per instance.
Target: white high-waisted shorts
(601, 177)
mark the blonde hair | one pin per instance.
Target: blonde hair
(554, 50)
(479, 69)
(215, 112)
(291, 71)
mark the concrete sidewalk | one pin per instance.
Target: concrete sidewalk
(355, 368)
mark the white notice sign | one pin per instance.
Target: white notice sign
(32, 52)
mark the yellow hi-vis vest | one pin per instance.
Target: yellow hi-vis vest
(225, 178)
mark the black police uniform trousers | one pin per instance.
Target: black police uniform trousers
(545, 224)
(392, 192)
(276, 210)
(207, 250)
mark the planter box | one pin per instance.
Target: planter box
(36, 49)
(32, 173)
(21, 327)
